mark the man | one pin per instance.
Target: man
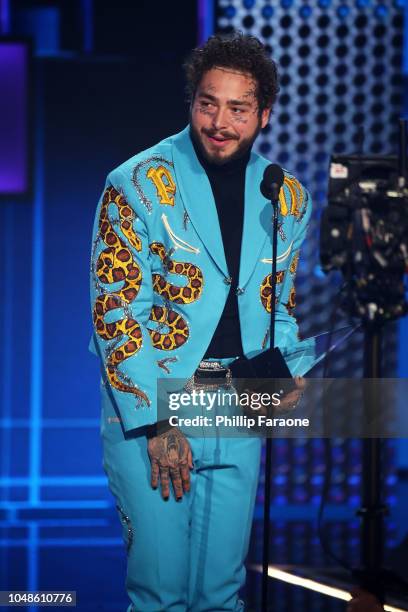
(181, 284)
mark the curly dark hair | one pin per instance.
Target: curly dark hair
(240, 51)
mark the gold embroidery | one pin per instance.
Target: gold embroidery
(165, 190)
(296, 197)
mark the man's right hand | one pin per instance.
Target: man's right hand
(171, 458)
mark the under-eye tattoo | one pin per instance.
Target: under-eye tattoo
(240, 119)
(204, 110)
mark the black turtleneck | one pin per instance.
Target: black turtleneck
(228, 186)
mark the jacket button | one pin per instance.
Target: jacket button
(228, 280)
(240, 291)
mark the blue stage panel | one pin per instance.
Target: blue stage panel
(71, 452)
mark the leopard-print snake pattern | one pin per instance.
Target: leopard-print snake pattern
(186, 294)
(266, 287)
(116, 263)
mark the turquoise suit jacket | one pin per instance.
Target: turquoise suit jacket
(159, 278)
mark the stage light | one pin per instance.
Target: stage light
(230, 11)
(313, 585)
(381, 11)
(343, 11)
(267, 12)
(305, 11)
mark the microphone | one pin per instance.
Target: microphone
(272, 182)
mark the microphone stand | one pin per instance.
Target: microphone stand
(268, 450)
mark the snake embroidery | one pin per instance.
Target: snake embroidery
(115, 264)
(266, 287)
(178, 329)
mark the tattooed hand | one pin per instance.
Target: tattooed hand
(288, 401)
(170, 457)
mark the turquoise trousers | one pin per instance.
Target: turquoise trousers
(187, 555)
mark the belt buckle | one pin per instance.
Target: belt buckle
(194, 384)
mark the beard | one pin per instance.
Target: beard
(214, 158)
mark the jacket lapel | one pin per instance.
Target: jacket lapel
(257, 219)
(196, 193)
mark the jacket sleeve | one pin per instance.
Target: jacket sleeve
(286, 327)
(121, 299)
